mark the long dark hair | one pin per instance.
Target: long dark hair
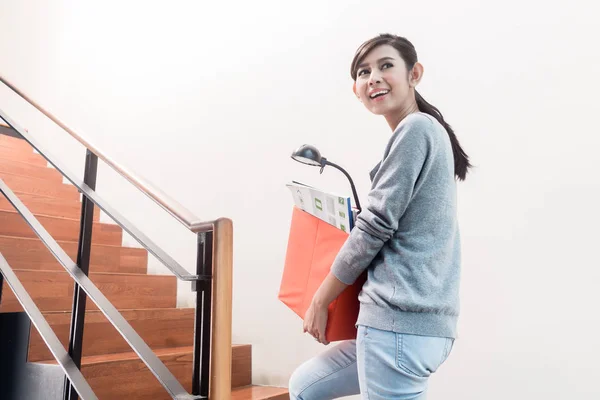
(409, 55)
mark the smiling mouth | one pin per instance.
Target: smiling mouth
(379, 93)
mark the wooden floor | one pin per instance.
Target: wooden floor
(148, 302)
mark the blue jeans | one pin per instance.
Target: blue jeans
(378, 365)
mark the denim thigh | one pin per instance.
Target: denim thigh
(397, 366)
(329, 375)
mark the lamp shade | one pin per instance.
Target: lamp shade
(308, 154)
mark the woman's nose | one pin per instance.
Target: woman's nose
(373, 79)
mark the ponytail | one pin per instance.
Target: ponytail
(461, 160)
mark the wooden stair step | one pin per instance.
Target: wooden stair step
(32, 254)
(49, 206)
(159, 328)
(34, 171)
(254, 392)
(40, 187)
(125, 376)
(29, 157)
(14, 143)
(53, 290)
(13, 224)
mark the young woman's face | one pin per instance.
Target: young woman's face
(382, 81)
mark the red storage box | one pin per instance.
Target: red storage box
(312, 247)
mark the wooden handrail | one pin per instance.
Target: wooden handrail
(220, 381)
(178, 211)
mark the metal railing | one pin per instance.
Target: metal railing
(211, 376)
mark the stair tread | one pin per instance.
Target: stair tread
(256, 392)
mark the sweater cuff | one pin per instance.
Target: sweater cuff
(355, 255)
(344, 273)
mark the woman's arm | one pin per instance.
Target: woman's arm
(329, 290)
(390, 195)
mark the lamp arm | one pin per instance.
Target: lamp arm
(327, 162)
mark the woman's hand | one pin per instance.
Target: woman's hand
(315, 321)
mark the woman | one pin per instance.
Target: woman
(407, 239)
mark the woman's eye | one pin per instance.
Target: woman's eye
(386, 65)
(362, 72)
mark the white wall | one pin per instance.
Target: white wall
(207, 100)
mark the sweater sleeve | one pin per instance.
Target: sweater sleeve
(391, 192)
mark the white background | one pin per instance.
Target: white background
(208, 99)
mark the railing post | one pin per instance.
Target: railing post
(83, 261)
(220, 365)
(202, 321)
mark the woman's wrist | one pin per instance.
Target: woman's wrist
(319, 301)
(329, 290)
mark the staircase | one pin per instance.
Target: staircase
(148, 302)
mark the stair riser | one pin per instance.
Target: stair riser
(260, 392)
(12, 224)
(48, 206)
(29, 157)
(53, 291)
(40, 187)
(159, 328)
(33, 171)
(132, 380)
(31, 254)
(277, 397)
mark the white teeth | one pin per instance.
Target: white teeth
(379, 93)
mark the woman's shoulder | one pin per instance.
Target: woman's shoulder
(423, 126)
(418, 121)
(418, 131)
(418, 126)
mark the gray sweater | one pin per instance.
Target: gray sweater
(407, 238)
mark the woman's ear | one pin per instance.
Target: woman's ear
(416, 74)
(355, 92)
